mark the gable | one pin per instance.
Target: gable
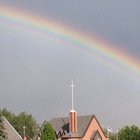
(94, 130)
(11, 132)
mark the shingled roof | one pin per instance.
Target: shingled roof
(62, 124)
(11, 132)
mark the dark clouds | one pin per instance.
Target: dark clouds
(35, 73)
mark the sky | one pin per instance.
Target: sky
(38, 64)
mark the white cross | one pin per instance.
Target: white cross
(72, 86)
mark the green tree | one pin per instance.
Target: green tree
(112, 136)
(3, 134)
(21, 120)
(48, 132)
(7, 114)
(129, 133)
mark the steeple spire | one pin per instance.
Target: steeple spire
(72, 86)
(72, 115)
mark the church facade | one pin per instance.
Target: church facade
(77, 127)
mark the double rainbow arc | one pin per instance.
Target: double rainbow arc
(85, 43)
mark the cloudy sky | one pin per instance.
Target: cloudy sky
(38, 65)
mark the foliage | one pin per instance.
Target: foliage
(105, 131)
(47, 132)
(129, 133)
(112, 136)
(21, 120)
(3, 134)
(7, 114)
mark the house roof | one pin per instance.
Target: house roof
(11, 132)
(62, 124)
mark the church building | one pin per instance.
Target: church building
(76, 127)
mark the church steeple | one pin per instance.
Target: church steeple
(72, 86)
(72, 116)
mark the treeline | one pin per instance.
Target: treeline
(125, 133)
(21, 120)
(32, 127)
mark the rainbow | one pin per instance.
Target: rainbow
(78, 40)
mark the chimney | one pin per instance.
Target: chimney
(73, 121)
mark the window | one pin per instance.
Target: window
(95, 136)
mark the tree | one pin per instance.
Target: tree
(48, 132)
(7, 114)
(3, 134)
(129, 133)
(31, 126)
(112, 136)
(21, 120)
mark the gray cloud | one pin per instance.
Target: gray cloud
(35, 72)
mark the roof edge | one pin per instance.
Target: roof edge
(101, 127)
(93, 116)
(12, 127)
(88, 125)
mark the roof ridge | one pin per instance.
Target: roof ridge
(63, 120)
(92, 116)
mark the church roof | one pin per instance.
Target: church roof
(11, 132)
(62, 124)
